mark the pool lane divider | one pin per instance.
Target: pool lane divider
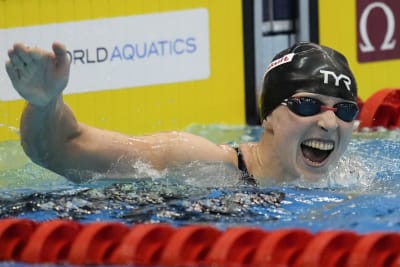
(113, 243)
(380, 110)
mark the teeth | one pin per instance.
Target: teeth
(317, 144)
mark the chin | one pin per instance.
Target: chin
(313, 177)
(317, 172)
(313, 174)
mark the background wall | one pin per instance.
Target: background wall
(148, 102)
(215, 97)
(367, 32)
(341, 26)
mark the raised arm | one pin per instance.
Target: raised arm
(53, 138)
(40, 77)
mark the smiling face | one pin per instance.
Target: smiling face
(307, 146)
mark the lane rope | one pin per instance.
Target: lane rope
(112, 243)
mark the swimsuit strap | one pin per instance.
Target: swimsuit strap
(246, 176)
(241, 164)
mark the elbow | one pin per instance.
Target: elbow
(40, 153)
(36, 153)
(52, 163)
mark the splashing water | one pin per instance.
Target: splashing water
(360, 193)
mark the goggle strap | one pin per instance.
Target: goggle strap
(325, 108)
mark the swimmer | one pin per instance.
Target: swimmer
(307, 108)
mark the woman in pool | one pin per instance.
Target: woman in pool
(308, 107)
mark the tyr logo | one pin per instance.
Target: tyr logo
(346, 79)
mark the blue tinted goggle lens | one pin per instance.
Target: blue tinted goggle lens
(307, 106)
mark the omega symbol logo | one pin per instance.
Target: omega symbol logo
(389, 41)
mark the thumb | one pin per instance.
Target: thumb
(61, 53)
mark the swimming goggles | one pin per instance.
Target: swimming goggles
(308, 106)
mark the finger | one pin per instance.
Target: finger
(60, 52)
(19, 67)
(23, 52)
(15, 59)
(12, 72)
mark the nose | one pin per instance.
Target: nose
(327, 120)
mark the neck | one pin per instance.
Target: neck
(263, 162)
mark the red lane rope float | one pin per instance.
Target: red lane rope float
(376, 249)
(235, 247)
(281, 248)
(14, 234)
(142, 245)
(68, 242)
(381, 109)
(328, 249)
(50, 242)
(95, 243)
(189, 245)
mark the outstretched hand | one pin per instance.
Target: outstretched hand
(38, 76)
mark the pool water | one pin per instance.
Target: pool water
(360, 194)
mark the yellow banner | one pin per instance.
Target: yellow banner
(348, 26)
(206, 51)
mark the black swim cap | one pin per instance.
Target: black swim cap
(306, 67)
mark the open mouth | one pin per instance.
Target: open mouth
(316, 151)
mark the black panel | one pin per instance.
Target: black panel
(314, 21)
(249, 63)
